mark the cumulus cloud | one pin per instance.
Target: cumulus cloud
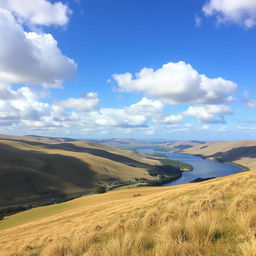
(172, 119)
(135, 115)
(88, 102)
(242, 12)
(6, 93)
(111, 117)
(146, 107)
(20, 104)
(176, 83)
(38, 12)
(32, 58)
(24, 107)
(209, 113)
(29, 57)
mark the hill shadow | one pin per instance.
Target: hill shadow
(235, 154)
(26, 173)
(152, 169)
(93, 151)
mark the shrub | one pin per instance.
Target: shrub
(101, 190)
(1, 215)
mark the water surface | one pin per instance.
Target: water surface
(202, 168)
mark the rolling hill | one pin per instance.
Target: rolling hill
(157, 145)
(128, 143)
(239, 152)
(212, 218)
(36, 168)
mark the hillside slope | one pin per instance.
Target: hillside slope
(32, 168)
(213, 218)
(239, 152)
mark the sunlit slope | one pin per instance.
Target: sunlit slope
(240, 152)
(217, 217)
(35, 169)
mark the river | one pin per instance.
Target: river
(202, 168)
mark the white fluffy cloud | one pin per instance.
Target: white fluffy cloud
(29, 57)
(6, 93)
(19, 105)
(136, 115)
(88, 102)
(38, 12)
(146, 107)
(242, 12)
(173, 119)
(24, 107)
(213, 114)
(110, 117)
(32, 58)
(209, 113)
(175, 83)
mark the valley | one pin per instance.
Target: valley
(130, 220)
(50, 170)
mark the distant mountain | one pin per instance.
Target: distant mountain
(181, 145)
(128, 143)
(119, 140)
(155, 144)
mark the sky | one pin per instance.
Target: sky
(148, 69)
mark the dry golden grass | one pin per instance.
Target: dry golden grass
(103, 167)
(214, 147)
(213, 218)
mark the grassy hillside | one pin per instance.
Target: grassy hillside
(212, 218)
(127, 143)
(239, 152)
(157, 145)
(36, 168)
(28, 174)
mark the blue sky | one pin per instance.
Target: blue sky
(168, 69)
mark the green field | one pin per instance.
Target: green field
(134, 185)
